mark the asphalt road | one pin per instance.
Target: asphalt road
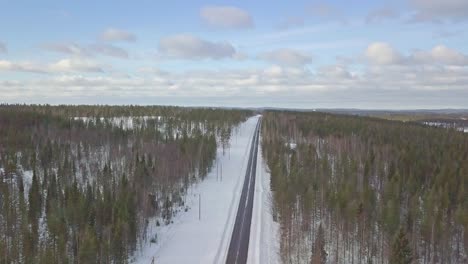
(239, 245)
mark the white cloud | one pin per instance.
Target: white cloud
(240, 56)
(334, 71)
(108, 50)
(153, 71)
(440, 55)
(113, 34)
(325, 10)
(421, 78)
(66, 48)
(389, 76)
(226, 17)
(448, 56)
(276, 71)
(287, 57)
(62, 66)
(334, 85)
(87, 50)
(379, 15)
(185, 46)
(24, 66)
(273, 71)
(75, 65)
(382, 53)
(3, 47)
(440, 10)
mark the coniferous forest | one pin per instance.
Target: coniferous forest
(350, 189)
(79, 183)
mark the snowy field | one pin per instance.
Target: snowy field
(206, 240)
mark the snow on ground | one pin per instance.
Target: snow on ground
(264, 247)
(291, 145)
(190, 240)
(125, 122)
(447, 125)
(27, 181)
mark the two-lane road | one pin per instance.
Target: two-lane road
(239, 245)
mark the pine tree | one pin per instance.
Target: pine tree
(35, 205)
(401, 251)
(35, 199)
(319, 255)
(88, 249)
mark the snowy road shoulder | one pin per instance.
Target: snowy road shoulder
(264, 232)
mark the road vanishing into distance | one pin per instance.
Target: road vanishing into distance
(239, 245)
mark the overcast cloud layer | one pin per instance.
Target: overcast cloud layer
(300, 54)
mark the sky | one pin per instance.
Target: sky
(401, 54)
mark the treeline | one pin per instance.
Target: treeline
(76, 190)
(353, 189)
(195, 113)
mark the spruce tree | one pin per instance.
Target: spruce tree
(319, 255)
(35, 199)
(35, 205)
(401, 251)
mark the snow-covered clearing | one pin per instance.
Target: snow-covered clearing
(206, 240)
(447, 125)
(264, 246)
